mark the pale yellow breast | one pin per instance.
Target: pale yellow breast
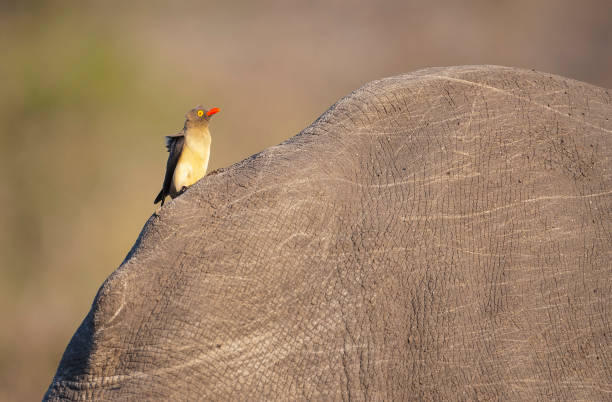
(193, 162)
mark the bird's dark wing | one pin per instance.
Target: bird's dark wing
(174, 143)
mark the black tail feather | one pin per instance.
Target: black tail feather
(160, 197)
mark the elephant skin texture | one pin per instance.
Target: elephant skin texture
(439, 235)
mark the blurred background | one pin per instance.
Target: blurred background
(88, 90)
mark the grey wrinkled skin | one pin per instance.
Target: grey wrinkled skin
(439, 235)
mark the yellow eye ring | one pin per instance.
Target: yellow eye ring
(200, 113)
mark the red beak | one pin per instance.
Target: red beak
(213, 111)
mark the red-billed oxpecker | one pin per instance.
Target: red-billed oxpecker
(189, 151)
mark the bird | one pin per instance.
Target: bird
(188, 153)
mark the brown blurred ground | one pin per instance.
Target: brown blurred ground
(88, 91)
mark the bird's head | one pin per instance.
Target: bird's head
(199, 117)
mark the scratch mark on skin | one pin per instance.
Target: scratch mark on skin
(288, 239)
(440, 179)
(463, 153)
(106, 325)
(232, 277)
(117, 312)
(489, 211)
(597, 102)
(567, 197)
(521, 98)
(469, 123)
(481, 254)
(343, 349)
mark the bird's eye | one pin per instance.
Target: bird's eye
(200, 113)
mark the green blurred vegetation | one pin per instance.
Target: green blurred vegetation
(89, 89)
